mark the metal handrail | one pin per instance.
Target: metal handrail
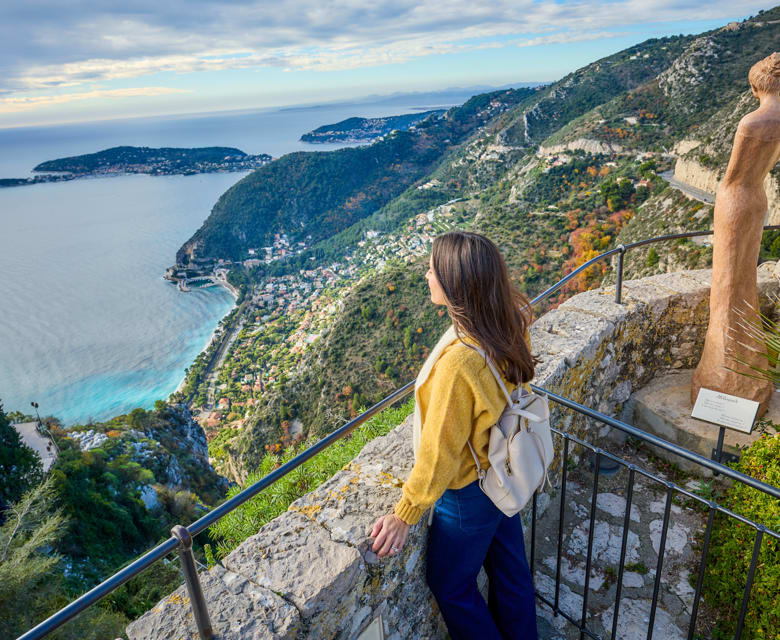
(181, 537)
(621, 250)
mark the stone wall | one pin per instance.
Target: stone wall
(310, 572)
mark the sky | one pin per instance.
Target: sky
(85, 60)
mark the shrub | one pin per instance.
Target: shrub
(652, 257)
(732, 549)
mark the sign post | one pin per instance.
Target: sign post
(726, 411)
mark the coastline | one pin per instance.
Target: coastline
(234, 292)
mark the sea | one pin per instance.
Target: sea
(89, 329)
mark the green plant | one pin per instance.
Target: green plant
(31, 582)
(731, 549)
(20, 466)
(637, 567)
(610, 577)
(763, 333)
(652, 257)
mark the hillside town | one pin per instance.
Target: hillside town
(285, 314)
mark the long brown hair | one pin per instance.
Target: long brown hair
(482, 301)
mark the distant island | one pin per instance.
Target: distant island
(365, 129)
(165, 161)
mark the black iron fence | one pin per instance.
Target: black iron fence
(672, 490)
(181, 537)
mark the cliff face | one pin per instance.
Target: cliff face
(688, 73)
(689, 171)
(587, 145)
(168, 442)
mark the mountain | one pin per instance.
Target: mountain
(312, 196)
(554, 177)
(365, 129)
(166, 160)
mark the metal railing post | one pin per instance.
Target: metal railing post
(194, 590)
(619, 285)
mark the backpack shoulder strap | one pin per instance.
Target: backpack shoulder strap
(496, 374)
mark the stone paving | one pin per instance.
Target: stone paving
(681, 557)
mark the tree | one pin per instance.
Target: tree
(617, 193)
(99, 492)
(31, 586)
(20, 466)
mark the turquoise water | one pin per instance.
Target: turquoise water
(88, 327)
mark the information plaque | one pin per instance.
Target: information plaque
(725, 410)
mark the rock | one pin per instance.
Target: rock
(545, 630)
(580, 510)
(285, 556)
(684, 590)
(694, 485)
(88, 439)
(575, 573)
(633, 580)
(238, 610)
(676, 537)
(767, 268)
(149, 497)
(659, 506)
(607, 542)
(588, 145)
(633, 620)
(569, 602)
(318, 554)
(615, 505)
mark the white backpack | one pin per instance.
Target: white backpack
(520, 450)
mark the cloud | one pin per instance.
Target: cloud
(46, 44)
(564, 38)
(16, 104)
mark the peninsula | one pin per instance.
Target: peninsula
(366, 129)
(164, 161)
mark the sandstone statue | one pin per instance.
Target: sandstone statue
(740, 211)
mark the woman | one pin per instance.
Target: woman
(458, 400)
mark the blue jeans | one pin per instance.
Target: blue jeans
(467, 531)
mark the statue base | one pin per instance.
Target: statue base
(663, 408)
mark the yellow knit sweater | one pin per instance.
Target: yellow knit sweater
(459, 401)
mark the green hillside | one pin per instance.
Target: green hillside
(365, 128)
(312, 196)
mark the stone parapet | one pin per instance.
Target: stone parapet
(310, 573)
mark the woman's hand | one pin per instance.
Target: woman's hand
(390, 533)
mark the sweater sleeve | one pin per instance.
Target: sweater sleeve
(445, 431)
